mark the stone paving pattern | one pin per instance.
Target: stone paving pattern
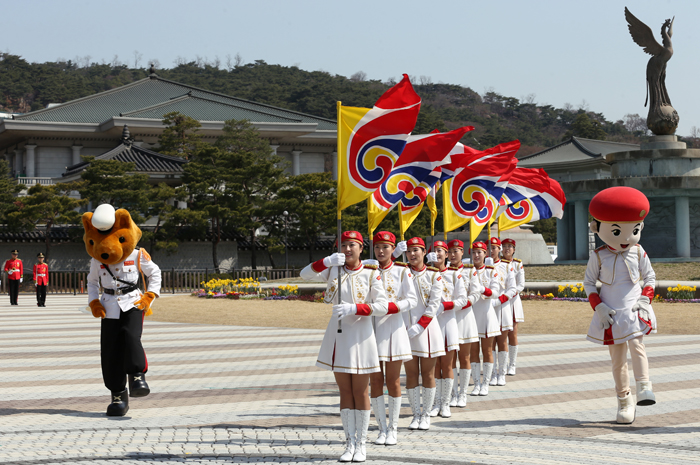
(229, 394)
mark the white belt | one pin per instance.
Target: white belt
(41, 275)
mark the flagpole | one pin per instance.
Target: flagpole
(340, 226)
(370, 231)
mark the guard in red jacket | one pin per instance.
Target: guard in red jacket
(15, 271)
(41, 280)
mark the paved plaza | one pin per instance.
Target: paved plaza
(222, 394)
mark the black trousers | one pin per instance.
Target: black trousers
(13, 285)
(121, 351)
(41, 294)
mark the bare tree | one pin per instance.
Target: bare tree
(425, 80)
(199, 61)
(238, 60)
(635, 124)
(695, 132)
(568, 107)
(216, 62)
(391, 81)
(155, 62)
(138, 56)
(359, 76)
(529, 99)
(116, 63)
(178, 61)
(583, 105)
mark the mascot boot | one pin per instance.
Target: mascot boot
(119, 405)
(138, 386)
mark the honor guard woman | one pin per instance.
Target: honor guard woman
(349, 348)
(466, 322)
(15, 271)
(517, 304)
(393, 344)
(504, 276)
(486, 320)
(41, 280)
(427, 341)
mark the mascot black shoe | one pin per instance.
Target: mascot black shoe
(120, 268)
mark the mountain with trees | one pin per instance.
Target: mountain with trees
(497, 118)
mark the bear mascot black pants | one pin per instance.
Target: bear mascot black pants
(121, 350)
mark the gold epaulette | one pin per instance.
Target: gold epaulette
(454, 268)
(469, 266)
(490, 267)
(401, 264)
(517, 260)
(505, 261)
(432, 268)
(371, 267)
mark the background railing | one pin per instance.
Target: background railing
(173, 281)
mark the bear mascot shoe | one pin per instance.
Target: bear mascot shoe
(111, 239)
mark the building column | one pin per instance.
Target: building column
(30, 160)
(76, 154)
(563, 235)
(19, 163)
(8, 157)
(274, 148)
(295, 162)
(682, 227)
(334, 157)
(581, 229)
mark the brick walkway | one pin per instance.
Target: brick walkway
(242, 394)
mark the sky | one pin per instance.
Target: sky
(576, 52)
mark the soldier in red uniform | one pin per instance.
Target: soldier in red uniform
(15, 271)
(41, 280)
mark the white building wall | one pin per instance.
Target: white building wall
(311, 163)
(52, 161)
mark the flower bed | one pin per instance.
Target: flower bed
(249, 288)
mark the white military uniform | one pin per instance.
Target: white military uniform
(504, 277)
(429, 287)
(621, 273)
(516, 302)
(127, 270)
(354, 350)
(447, 319)
(466, 321)
(486, 320)
(392, 338)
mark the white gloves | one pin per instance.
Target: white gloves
(466, 261)
(401, 247)
(643, 307)
(370, 261)
(403, 305)
(415, 330)
(605, 315)
(337, 259)
(432, 257)
(488, 261)
(343, 310)
(21, 279)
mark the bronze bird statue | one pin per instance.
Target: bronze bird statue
(662, 118)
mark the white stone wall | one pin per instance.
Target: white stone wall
(311, 163)
(52, 161)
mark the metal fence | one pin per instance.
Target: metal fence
(173, 281)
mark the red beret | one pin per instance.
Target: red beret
(440, 244)
(416, 242)
(508, 241)
(496, 241)
(456, 243)
(619, 204)
(351, 236)
(384, 237)
(479, 245)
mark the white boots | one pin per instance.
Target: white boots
(438, 398)
(455, 393)
(388, 432)
(464, 385)
(355, 424)
(645, 396)
(428, 399)
(488, 370)
(626, 409)
(379, 409)
(414, 402)
(494, 378)
(476, 374)
(393, 426)
(502, 367)
(348, 418)
(513, 354)
(445, 398)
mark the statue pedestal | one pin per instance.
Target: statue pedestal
(655, 162)
(663, 142)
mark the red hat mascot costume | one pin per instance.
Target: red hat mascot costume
(623, 313)
(110, 239)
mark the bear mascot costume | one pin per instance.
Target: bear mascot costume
(622, 310)
(117, 264)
